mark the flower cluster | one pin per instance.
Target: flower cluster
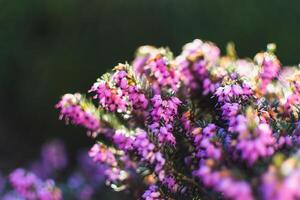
(194, 65)
(281, 179)
(146, 150)
(103, 155)
(254, 139)
(198, 125)
(270, 67)
(222, 181)
(163, 114)
(120, 93)
(29, 186)
(152, 193)
(161, 74)
(74, 109)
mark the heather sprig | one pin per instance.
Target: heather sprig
(200, 124)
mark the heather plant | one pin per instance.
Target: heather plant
(196, 126)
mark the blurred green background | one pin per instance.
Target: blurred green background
(51, 47)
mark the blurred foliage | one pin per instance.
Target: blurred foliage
(50, 47)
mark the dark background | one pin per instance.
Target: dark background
(51, 47)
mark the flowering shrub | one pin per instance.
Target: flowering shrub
(196, 126)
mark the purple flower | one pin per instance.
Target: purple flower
(187, 123)
(143, 54)
(152, 193)
(205, 146)
(222, 182)
(122, 141)
(281, 182)
(170, 183)
(113, 173)
(290, 104)
(29, 186)
(162, 74)
(164, 111)
(100, 153)
(120, 93)
(255, 139)
(147, 151)
(71, 109)
(233, 93)
(111, 99)
(194, 63)
(270, 67)
(209, 86)
(230, 110)
(138, 99)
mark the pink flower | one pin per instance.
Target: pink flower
(72, 110)
(102, 154)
